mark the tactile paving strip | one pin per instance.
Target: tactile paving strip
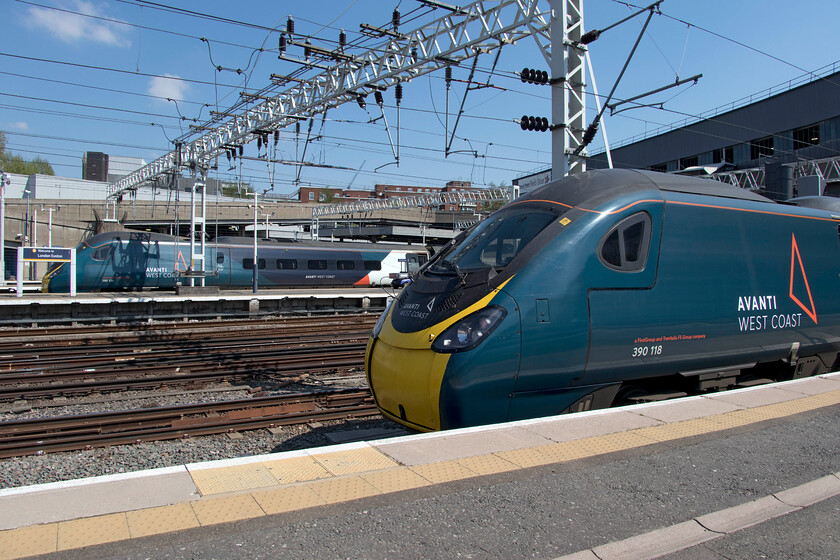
(343, 489)
(439, 473)
(395, 480)
(232, 479)
(352, 461)
(486, 464)
(287, 498)
(28, 541)
(93, 530)
(679, 430)
(297, 469)
(165, 519)
(224, 510)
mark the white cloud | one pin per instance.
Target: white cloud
(75, 28)
(168, 86)
(20, 125)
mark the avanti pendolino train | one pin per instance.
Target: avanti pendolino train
(134, 260)
(608, 287)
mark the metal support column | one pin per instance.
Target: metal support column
(197, 229)
(568, 87)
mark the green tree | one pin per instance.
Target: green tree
(236, 190)
(12, 163)
(327, 196)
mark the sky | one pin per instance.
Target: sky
(128, 77)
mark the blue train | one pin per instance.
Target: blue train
(134, 260)
(610, 287)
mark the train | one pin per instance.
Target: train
(135, 260)
(606, 288)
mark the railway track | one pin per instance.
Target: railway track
(71, 433)
(40, 363)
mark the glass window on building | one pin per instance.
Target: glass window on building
(806, 136)
(761, 147)
(687, 162)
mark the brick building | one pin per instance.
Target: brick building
(331, 196)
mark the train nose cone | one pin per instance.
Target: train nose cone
(405, 377)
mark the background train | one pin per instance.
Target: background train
(133, 260)
(605, 288)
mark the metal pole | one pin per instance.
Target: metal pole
(49, 228)
(256, 260)
(4, 180)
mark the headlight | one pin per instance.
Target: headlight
(378, 326)
(470, 331)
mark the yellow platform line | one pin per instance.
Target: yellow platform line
(324, 478)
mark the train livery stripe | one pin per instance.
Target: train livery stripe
(680, 203)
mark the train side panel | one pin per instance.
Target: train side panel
(552, 293)
(737, 285)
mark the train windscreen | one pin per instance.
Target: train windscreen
(496, 240)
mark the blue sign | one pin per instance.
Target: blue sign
(50, 254)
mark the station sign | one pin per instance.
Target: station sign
(49, 254)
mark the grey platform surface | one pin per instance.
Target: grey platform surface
(563, 509)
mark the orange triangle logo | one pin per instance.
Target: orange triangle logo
(180, 258)
(795, 258)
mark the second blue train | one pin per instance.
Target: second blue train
(135, 260)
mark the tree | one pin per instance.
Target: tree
(327, 196)
(236, 190)
(12, 163)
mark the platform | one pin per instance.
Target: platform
(722, 434)
(115, 307)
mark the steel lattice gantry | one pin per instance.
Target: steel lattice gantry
(480, 27)
(753, 179)
(415, 201)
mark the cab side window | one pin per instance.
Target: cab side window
(625, 246)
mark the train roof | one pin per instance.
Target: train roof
(151, 237)
(601, 185)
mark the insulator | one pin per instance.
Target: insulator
(282, 46)
(307, 51)
(378, 95)
(259, 143)
(448, 75)
(590, 36)
(590, 133)
(543, 124)
(395, 19)
(361, 101)
(523, 122)
(290, 26)
(241, 151)
(227, 153)
(398, 93)
(543, 77)
(297, 127)
(342, 39)
(413, 54)
(276, 137)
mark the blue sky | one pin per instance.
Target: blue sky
(126, 60)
